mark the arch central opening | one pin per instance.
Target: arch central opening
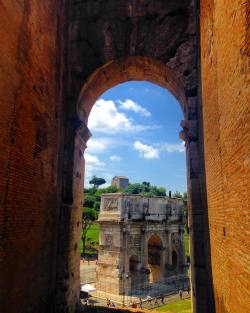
(155, 258)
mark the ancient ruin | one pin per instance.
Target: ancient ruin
(121, 182)
(141, 245)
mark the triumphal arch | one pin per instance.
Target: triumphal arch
(141, 244)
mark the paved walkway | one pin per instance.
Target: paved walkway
(99, 298)
(87, 271)
(146, 304)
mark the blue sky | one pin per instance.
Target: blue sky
(135, 132)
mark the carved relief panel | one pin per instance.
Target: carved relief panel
(176, 241)
(108, 240)
(110, 204)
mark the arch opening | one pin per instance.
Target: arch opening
(112, 74)
(155, 258)
(127, 69)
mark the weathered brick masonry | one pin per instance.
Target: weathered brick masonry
(56, 58)
(29, 126)
(225, 64)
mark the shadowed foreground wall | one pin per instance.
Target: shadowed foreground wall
(225, 60)
(29, 114)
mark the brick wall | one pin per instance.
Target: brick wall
(33, 269)
(225, 66)
(29, 84)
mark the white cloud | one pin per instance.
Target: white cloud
(115, 158)
(101, 144)
(92, 160)
(153, 152)
(172, 147)
(133, 106)
(145, 151)
(92, 165)
(105, 118)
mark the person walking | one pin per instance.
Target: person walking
(108, 303)
(180, 293)
(162, 298)
(140, 303)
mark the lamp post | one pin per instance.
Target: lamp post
(124, 275)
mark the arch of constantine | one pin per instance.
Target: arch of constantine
(141, 244)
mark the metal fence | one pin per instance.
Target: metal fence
(143, 292)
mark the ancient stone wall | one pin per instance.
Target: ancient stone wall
(225, 72)
(29, 118)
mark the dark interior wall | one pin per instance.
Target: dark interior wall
(101, 31)
(29, 185)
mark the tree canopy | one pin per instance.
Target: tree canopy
(89, 216)
(97, 181)
(145, 189)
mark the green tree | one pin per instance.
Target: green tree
(97, 206)
(89, 200)
(177, 194)
(184, 196)
(145, 189)
(133, 189)
(111, 189)
(97, 181)
(89, 216)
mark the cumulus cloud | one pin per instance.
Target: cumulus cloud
(105, 118)
(153, 152)
(133, 106)
(115, 158)
(145, 151)
(100, 144)
(172, 147)
(92, 164)
(92, 160)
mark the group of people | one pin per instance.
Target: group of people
(181, 292)
(134, 305)
(161, 297)
(110, 304)
(149, 300)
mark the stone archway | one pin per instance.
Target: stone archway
(110, 42)
(51, 48)
(127, 69)
(155, 258)
(105, 77)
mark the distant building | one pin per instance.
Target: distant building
(120, 182)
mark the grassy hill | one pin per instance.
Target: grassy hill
(179, 306)
(92, 238)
